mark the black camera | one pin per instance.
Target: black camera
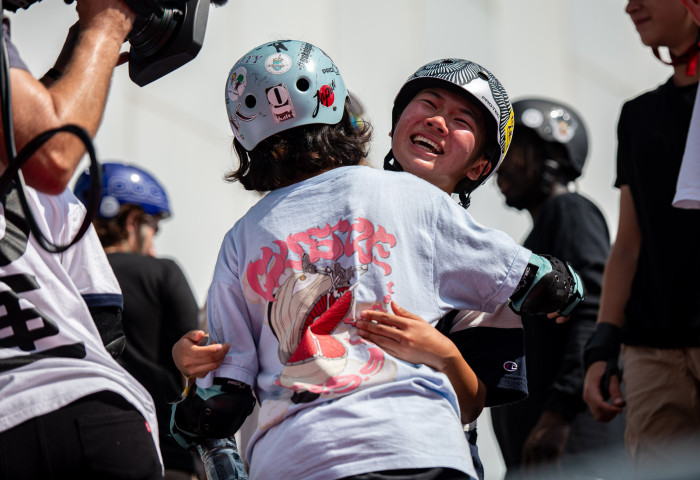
(166, 34)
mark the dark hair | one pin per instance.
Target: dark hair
(293, 154)
(112, 231)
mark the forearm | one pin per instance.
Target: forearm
(617, 284)
(471, 392)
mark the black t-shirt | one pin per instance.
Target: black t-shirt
(159, 308)
(663, 310)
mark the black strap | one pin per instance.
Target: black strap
(445, 324)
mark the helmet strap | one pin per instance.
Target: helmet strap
(688, 58)
(390, 162)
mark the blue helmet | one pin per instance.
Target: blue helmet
(281, 85)
(124, 184)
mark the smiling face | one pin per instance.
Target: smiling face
(438, 137)
(663, 23)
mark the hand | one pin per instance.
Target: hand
(195, 360)
(406, 336)
(109, 16)
(693, 7)
(546, 442)
(602, 411)
(558, 317)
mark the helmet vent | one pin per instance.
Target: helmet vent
(250, 101)
(302, 84)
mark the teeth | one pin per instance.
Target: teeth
(426, 144)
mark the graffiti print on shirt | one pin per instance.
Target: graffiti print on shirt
(311, 306)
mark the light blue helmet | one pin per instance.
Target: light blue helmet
(125, 184)
(281, 85)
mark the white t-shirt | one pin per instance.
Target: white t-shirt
(51, 353)
(291, 277)
(688, 185)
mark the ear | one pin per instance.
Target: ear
(480, 167)
(132, 223)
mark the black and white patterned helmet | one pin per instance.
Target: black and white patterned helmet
(475, 83)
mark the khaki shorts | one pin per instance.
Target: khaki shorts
(662, 390)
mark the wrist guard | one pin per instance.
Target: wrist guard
(214, 412)
(548, 285)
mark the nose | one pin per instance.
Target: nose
(438, 123)
(632, 6)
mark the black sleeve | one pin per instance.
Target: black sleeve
(497, 357)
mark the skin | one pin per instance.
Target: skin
(78, 97)
(436, 138)
(659, 23)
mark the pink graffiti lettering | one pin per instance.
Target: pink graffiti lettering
(259, 270)
(321, 243)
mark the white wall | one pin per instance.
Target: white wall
(585, 53)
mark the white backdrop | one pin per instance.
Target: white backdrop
(584, 53)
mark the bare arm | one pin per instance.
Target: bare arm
(410, 338)
(77, 97)
(617, 282)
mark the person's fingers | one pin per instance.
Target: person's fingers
(592, 395)
(403, 312)
(616, 392)
(123, 58)
(383, 318)
(194, 336)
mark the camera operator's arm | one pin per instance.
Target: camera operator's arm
(77, 96)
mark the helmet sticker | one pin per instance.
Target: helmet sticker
(509, 130)
(280, 102)
(250, 59)
(304, 55)
(278, 46)
(278, 63)
(532, 118)
(324, 96)
(237, 83)
(562, 125)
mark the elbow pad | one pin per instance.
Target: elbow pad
(548, 285)
(214, 412)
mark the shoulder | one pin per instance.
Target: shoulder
(641, 102)
(572, 202)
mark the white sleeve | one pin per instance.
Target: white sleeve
(472, 262)
(688, 185)
(86, 262)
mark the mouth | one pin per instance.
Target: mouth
(639, 21)
(426, 144)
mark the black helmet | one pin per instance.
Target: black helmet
(556, 123)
